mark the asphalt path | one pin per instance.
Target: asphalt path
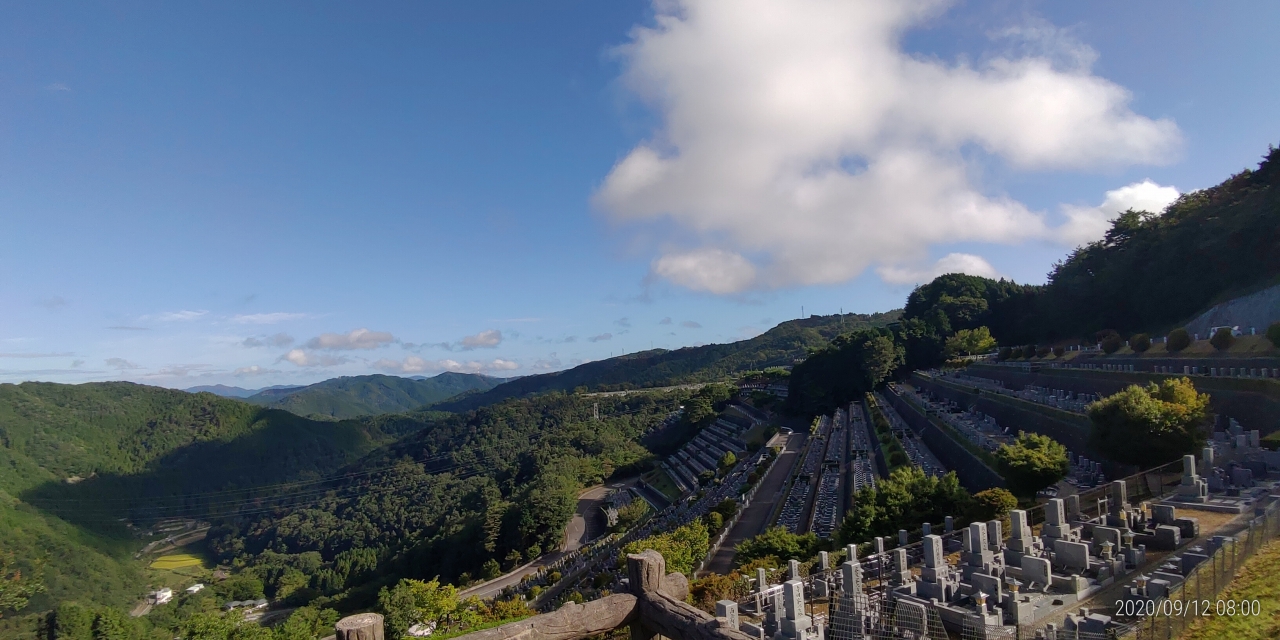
(756, 516)
(586, 525)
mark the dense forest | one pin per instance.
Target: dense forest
(1152, 272)
(781, 345)
(355, 396)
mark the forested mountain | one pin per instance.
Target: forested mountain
(1152, 271)
(96, 453)
(496, 485)
(781, 345)
(353, 396)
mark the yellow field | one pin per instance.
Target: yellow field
(177, 561)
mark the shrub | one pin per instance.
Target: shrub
(1273, 333)
(1222, 339)
(1111, 343)
(1140, 342)
(1005, 353)
(1043, 352)
(1029, 351)
(1058, 351)
(1178, 340)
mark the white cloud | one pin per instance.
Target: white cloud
(600, 338)
(266, 318)
(690, 324)
(120, 364)
(180, 316)
(178, 370)
(276, 340)
(483, 340)
(1087, 224)
(549, 363)
(36, 355)
(304, 358)
(253, 370)
(800, 144)
(623, 322)
(414, 364)
(355, 339)
(950, 263)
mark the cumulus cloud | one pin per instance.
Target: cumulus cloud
(800, 144)
(689, 324)
(600, 338)
(304, 358)
(266, 318)
(414, 364)
(120, 364)
(483, 340)
(1087, 224)
(253, 370)
(355, 339)
(950, 263)
(276, 340)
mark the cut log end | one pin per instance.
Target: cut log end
(362, 626)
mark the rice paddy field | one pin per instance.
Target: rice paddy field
(177, 561)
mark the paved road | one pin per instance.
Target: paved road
(756, 517)
(586, 525)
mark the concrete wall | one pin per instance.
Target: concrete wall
(1255, 403)
(974, 474)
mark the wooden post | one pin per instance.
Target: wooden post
(362, 626)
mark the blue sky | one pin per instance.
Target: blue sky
(197, 193)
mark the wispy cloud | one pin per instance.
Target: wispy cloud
(181, 316)
(253, 370)
(414, 364)
(36, 355)
(278, 340)
(303, 358)
(57, 87)
(120, 364)
(488, 339)
(266, 318)
(666, 320)
(623, 322)
(352, 340)
(178, 370)
(52, 302)
(689, 324)
(600, 338)
(120, 327)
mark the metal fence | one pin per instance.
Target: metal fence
(1208, 580)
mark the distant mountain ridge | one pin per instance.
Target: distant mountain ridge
(779, 346)
(237, 392)
(354, 396)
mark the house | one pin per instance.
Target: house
(161, 596)
(196, 588)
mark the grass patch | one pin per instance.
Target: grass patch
(1256, 581)
(177, 561)
(658, 479)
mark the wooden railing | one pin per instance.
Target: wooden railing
(653, 607)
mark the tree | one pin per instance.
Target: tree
(853, 364)
(1029, 351)
(715, 522)
(1004, 353)
(631, 514)
(431, 604)
(490, 569)
(1140, 342)
(72, 622)
(777, 543)
(907, 498)
(1273, 334)
(15, 589)
(969, 342)
(1058, 351)
(1150, 425)
(1111, 341)
(992, 504)
(307, 623)
(728, 460)
(682, 548)
(1031, 463)
(1222, 339)
(1178, 340)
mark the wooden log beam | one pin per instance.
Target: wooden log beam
(570, 622)
(675, 619)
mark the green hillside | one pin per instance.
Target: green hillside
(354, 396)
(781, 345)
(1152, 271)
(75, 459)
